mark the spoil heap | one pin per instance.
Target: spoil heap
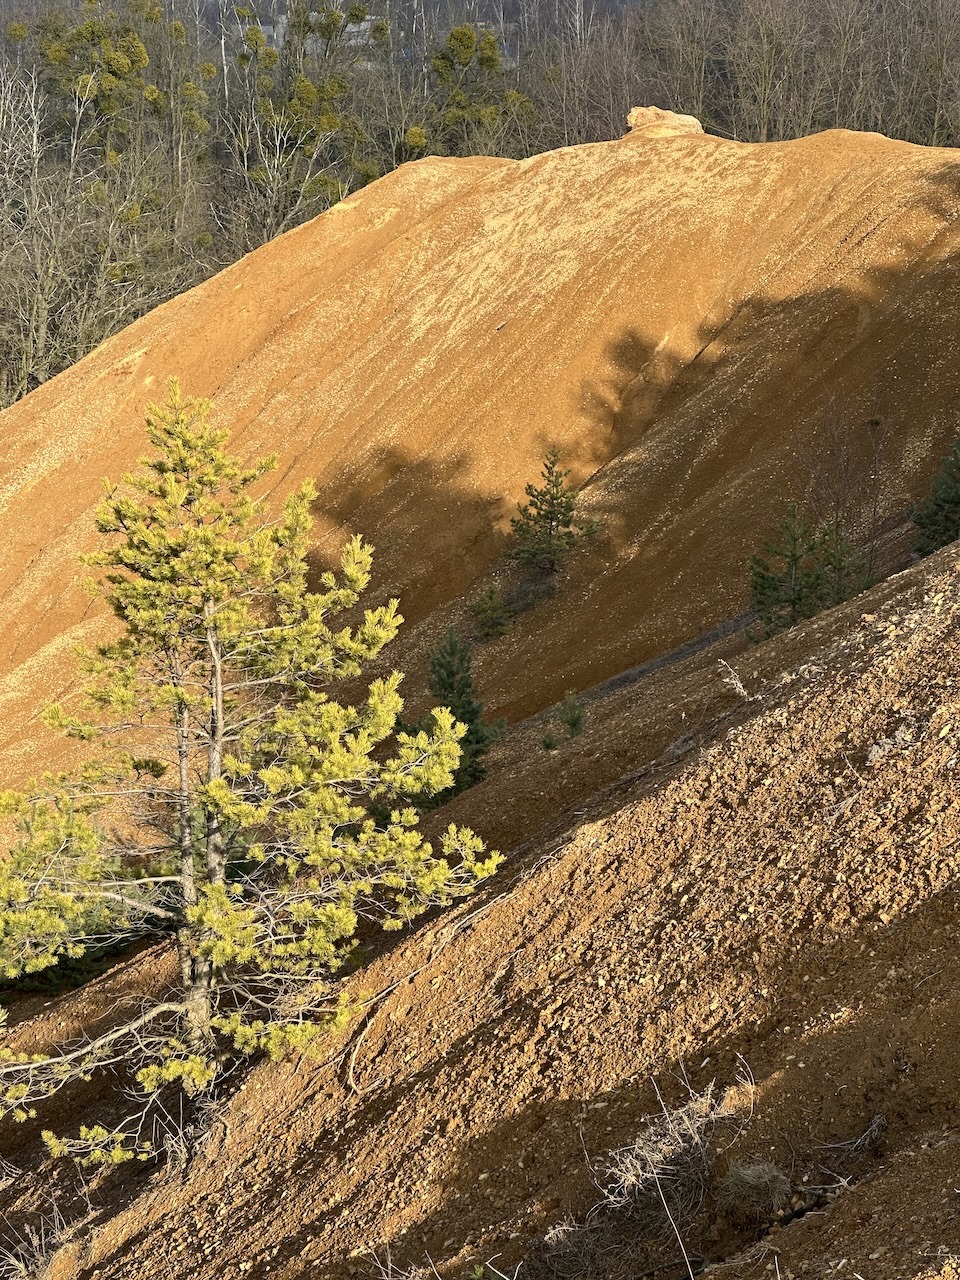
(760, 878)
(681, 314)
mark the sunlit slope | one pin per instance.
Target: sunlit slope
(677, 312)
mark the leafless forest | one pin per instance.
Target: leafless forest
(148, 143)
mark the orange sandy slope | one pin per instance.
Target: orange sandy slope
(677, 312)
(786, 901)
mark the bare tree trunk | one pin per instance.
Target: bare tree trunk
(195, 970)
(224, 67)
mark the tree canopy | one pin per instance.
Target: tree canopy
(229, 798)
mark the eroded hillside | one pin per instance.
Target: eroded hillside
(735, 873)
(781, 906)
(680, 313)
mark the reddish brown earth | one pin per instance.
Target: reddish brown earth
(702, 884)
(680, 313)
(783, 902)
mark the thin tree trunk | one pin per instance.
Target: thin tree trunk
(216, 861)
(195, 970)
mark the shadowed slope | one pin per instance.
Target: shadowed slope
(674, 312)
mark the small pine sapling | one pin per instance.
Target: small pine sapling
(491, 613)
(572, 714)
(803, 570)
(843, 571)
(938, 519)
(547, 528)
(451, 683)
(785, 582)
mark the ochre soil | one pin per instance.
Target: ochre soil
(781, 902)
(704, 884)
(686, 317)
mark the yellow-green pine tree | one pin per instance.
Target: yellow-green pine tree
(232, 800)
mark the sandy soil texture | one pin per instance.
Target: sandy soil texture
(684, 316)
(754, 887)
(781, 904)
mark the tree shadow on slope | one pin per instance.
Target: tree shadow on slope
(764, 360)
(399, 490)
(692, 459)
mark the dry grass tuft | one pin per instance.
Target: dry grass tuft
(569, 1250)
(664, 1174)
(385, 1268)
(754, 1192)
(27, 1251)
(651, 1191)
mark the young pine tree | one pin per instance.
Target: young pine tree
(451, 683)
(801, 571)
(842, 570)
(547, 528)
(491, 613)
(938, 519)
(572, 714)
(786, 583)
(232, 800)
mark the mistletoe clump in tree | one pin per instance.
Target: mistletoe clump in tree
(547, 528)
(240, 806)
